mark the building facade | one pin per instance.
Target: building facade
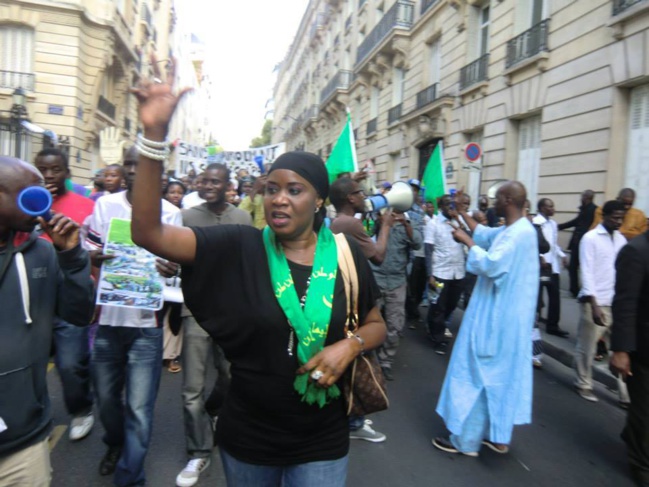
(556, 92)
(75, 61)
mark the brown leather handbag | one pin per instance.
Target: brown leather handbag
(363, 384)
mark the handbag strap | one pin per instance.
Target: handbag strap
(347, 268)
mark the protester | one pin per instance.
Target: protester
(253, 203)
(72, 355)
(57, 286)
(127, 354)
(386, 186)
(445, 266)
(630, 345)
(174, 193)
(197, 197)
(581, 223)
(551, 266)
(417, 275)
(635, 221)
(597, 253)
(488, 384)
(231, 194)
(198, 347)
(240, 284)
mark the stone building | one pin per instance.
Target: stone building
(75, 61)
(555, 91)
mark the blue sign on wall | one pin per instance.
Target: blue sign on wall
(55, 109)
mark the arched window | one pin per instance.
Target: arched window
(16, 56)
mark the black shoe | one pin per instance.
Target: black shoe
(387, 373)
(109, 462)
(440, 348)
(557, 332)
(445, 444)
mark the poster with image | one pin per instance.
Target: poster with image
(130, 279)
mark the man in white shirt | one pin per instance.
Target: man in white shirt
(445, 264)
(551, 265)
(598, 250)
(197, 197)
(127, 355)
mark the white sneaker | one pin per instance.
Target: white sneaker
(448, 333)
(367, 433)
(191, 472)
(80, 426)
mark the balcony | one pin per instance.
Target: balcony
(427, 96)
(620, 6)
(530, 43)
(394, 114)
(13, 80)
(400, 16)
(316, 27)
(371, 126)
(311, 114)
(474, 73)
(106, 107)
(340, 81)
(426, 4)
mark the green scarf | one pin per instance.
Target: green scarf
(312, 323)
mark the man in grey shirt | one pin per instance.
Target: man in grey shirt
(200, 415)
(391, 277)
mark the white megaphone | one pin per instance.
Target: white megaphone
(399, 198)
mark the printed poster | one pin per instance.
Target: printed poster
(129, 280)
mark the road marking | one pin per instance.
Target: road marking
(56, 435)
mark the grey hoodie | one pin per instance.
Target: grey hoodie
(38, 283)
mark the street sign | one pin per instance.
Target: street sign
(472, 151)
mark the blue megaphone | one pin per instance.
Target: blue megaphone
(35, 201)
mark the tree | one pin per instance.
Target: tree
(264, 138)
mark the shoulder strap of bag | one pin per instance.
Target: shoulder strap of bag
(347, 268)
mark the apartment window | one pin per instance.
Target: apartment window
(473, 181)
(528, 13)
(529, 155)
(435, 59)
(398, 86)
(637, 160)
(374, 102)
(483, 30)
(17, 50)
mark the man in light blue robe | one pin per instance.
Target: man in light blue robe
(488, 384)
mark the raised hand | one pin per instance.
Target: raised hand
(111, 145)
(157, 101)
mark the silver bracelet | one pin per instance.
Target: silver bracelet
(154, 154)
(153, 144)
(361, 341)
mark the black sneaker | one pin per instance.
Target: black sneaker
(109, 462)
(445, 444)
(440, 348)
(387, 373)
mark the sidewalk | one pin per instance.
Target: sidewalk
(563, 349)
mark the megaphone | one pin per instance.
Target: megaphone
(399, 198)
(35, 201)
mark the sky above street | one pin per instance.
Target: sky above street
(244, 41)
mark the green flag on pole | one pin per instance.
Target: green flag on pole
(343, 156)
(434, 180)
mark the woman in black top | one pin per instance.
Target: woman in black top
(283, 421)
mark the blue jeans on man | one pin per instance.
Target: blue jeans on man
(127, 360)
(72, 359)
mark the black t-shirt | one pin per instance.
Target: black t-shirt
(228, 290)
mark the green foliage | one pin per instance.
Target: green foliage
(264, 138)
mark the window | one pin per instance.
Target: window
(374, 102)
(529, 155)
(398, 86)
(528, 13)
(637, 159)
(483, 30)
(16, 53)
(435, 59)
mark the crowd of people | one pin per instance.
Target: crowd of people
(254, 296)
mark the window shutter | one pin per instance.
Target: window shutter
(637, 160)
(529, 155)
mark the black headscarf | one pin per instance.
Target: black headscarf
(307, 165)
(312, 168)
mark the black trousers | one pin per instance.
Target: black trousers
(636, 431)
(573, 269)
(554, 301)
(416, 287)
(439, 312)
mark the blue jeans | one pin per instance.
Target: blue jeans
(356, 422)
(127, 360)
(72, 359)
(332, 473)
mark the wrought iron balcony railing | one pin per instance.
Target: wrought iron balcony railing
(426, 96)
(620, 6)
(528, 44)
(400, 15)
(341, 81)
(394, 114)
(106, 107)
(13, 80)
(475, 72)
(371, 126)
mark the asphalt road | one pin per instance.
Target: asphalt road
(571, 441)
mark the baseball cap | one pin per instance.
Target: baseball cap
(386, 185)
(414, 182)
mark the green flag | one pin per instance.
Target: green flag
(343, 156)
(434, 180)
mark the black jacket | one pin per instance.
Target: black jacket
(630, 329)
(36, 283)
(581, 223)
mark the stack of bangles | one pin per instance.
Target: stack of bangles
(157, 151)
